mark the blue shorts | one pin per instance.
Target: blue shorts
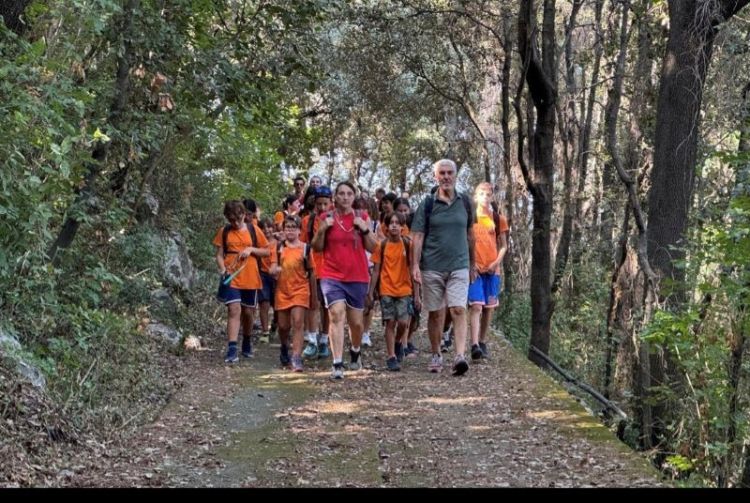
(485, 290)
(266, 293)
(339, 291)
(228, 295)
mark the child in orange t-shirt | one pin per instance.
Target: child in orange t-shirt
(237, 250)
(292, 292)
(489, 250)
(267, 292)
(392, 280)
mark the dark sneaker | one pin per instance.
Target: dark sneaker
(247, 347)
(323, 351)
(445, 346)
(399, 352)
(311, 350)
(356, 360)
(338, 372)
(485, 350)
(284, 355)
(392, 364)
(231, 356)
(410, 351)
(460, 366)
(476, 353)
(297, 364)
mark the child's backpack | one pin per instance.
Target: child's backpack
(305, 256)
(407, 250)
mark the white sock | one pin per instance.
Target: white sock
(310, 337)
(356, 350)
(338, 360)
(447, 335)
(324, 338)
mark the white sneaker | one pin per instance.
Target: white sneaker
(366, 342)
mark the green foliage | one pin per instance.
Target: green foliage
(514, 318)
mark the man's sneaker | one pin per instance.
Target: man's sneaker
(264, 338)
(247, 347)
(410, 351)
(485, 350)
(311, 350)
(366, 342)
(460, 366)
(476, 352)
(297, 364)
(231, 356)
(323, 351)
(399, 352)
(338, 372)
(356, 362)
(436, 364)
(392, 364)
(284, 355)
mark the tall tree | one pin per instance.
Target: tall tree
(541, 77)
(693, 25)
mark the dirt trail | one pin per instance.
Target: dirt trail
(504, 423)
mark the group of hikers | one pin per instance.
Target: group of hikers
(328, 256)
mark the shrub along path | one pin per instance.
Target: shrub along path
(504, 423)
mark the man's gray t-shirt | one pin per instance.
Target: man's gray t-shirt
(446, 248)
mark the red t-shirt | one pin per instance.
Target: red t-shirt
(344, 252)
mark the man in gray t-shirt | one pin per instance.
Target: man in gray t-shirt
(443, 262)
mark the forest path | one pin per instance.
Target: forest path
(503, 424)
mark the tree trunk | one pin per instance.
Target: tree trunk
(510, 198)
(585, 140)
(693, 26)
(99, 154)
(540, 78)
(569, 143)
(11, 12)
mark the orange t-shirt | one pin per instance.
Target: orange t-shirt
(267, 262)
(394, 272)
(238, 240)
(485, 247)
(292, 285)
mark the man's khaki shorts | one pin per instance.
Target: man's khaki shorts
(441, 289)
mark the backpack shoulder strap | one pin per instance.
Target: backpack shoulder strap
(469, 212)
(224, 235)
(496, 219)
(428, 204)
(253, 235)
(407, 250)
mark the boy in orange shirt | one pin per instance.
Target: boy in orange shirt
(237, 250)
(292, 292)
(489, 251)
(392, 279)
